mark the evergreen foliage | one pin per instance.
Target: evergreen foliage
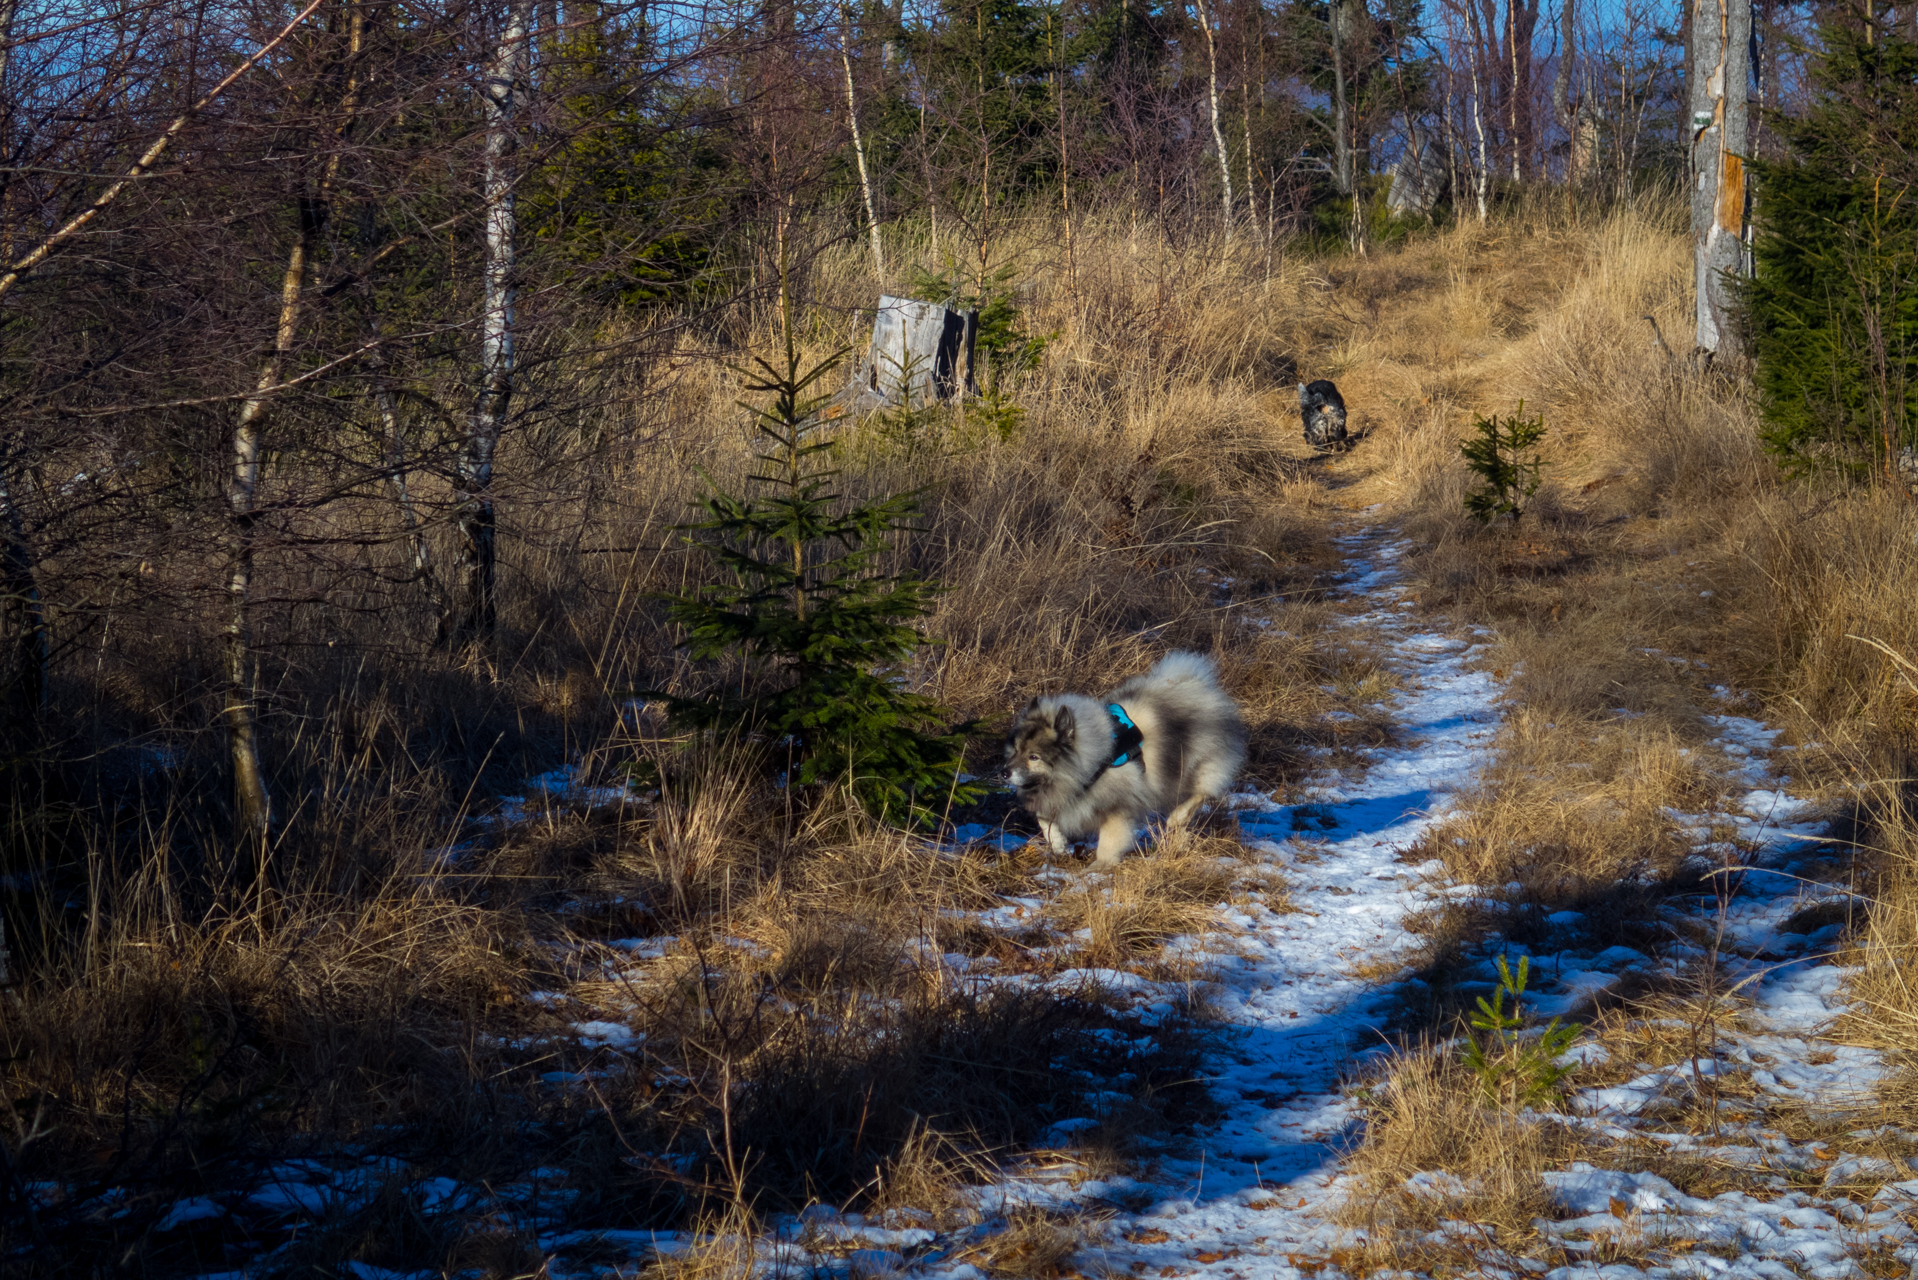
(818, 618)
(634, 201)
(1516, 1070)
(1003, 344)
(1833, 310)
(1505, 457)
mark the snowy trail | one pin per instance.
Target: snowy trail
(1254, 1196)
(1262, 1179)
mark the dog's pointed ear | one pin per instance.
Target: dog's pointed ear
(1031, 706)
(1064, 723)
(1302, 399)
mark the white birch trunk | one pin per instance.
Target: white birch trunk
(1218, 131)
(859, 147)
(1478, 123)
(501, 87)
(253, 807)
(1720, 88)
(1511, 33)
(1251, 169)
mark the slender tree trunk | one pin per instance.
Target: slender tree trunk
(1561, 93)
(253, 806)
(1065, 160)
(1511, 41)
(925, 169)
(859, 146)
(7, 9)
(985, 142)
(1721, 40)
(1478, 123)
(1453, 139)
(1344, 150)
(26, 617)
(501, 88)
(1218, 132)
(1251, 170)
(399, 479)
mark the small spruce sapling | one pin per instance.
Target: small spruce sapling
(1505, 456)
(911, 427)
(817, 617)
(1516, 1070)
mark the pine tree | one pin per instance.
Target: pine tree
(1505, 456)
(1833, 310)
(818, 617)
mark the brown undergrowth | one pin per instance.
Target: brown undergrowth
(1436, 1158)
(701, 1004)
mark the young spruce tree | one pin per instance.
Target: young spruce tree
(1833, 309)
(814, 612)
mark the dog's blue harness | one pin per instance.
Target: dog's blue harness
(1126, 737)
(1127, 741)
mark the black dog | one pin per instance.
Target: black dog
(1324, 412)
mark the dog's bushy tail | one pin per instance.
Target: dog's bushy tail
(1185, 665)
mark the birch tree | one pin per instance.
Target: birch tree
(502, 88)
(1720, 87)
(1218, 131)
(859, 145)
(253, 807)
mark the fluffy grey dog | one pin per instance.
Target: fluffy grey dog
(1170, 739)
(1323, 409)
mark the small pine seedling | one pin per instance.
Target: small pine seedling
(1505, 457)
(822, 625)
(1515, 1070)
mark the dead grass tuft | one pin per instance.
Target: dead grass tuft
(1036, 1244)
(1170, 891)
(1481, 1165)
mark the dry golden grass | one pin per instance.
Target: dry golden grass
(1424, 1115)
(1036, 1245)
(1175, 890)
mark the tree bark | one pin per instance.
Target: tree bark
(1511, 40)
(501, 88)
(1478, 121)
(1251, 168)
(26, 618)
(1344, 153)
(1562, 92)
(1218, 131)
(859, 146)
(1720, 88)
(252, 804)
(1065, 165)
